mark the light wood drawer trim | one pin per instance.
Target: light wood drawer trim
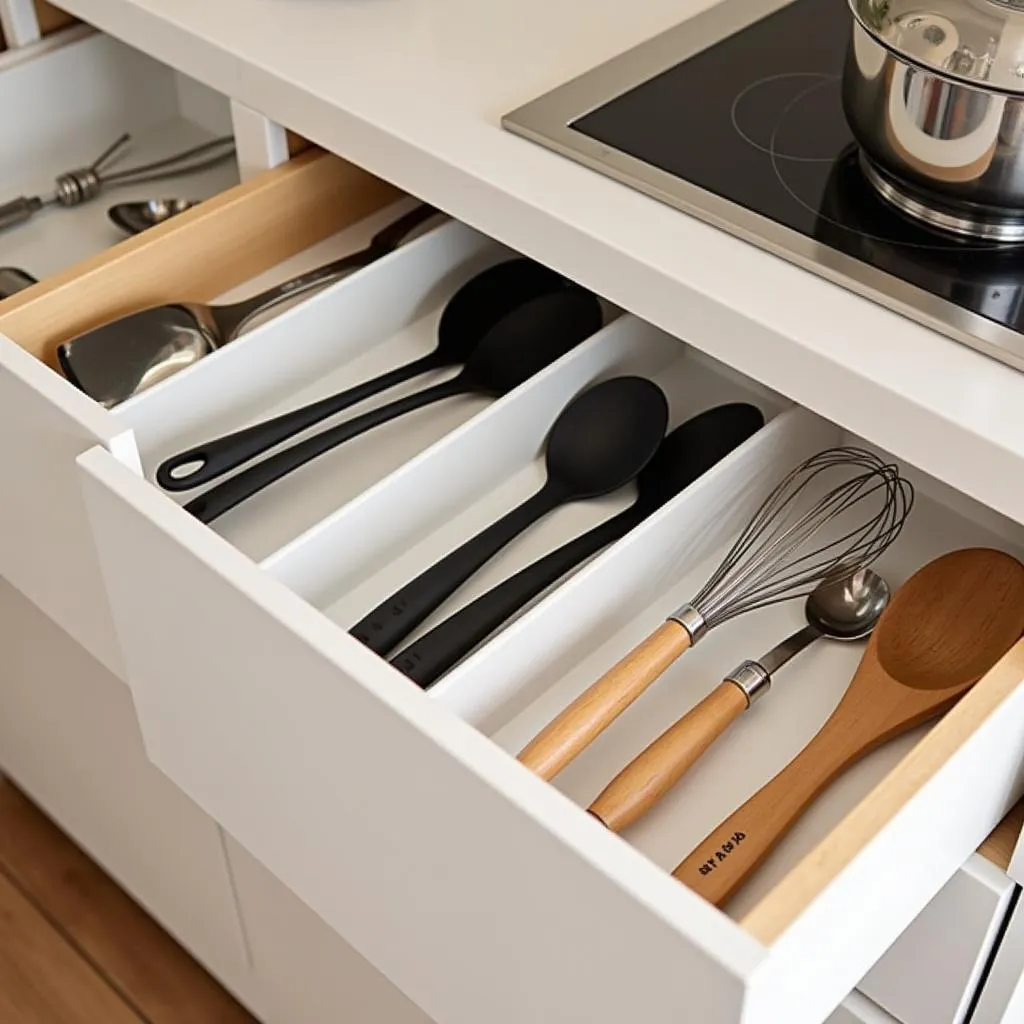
(998, 848)
(51, 18)
(218, 245)
(787, 900)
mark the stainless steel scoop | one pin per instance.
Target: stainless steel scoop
(147, 213)
(124, 357)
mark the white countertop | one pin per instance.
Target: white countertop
(413, 90)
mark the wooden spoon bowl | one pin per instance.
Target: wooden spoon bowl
(944, 629)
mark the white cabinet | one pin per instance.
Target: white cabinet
(932, 971)
(368, 797)
(69, 739)
(1002, 999)
(395, 829)
(304, 972)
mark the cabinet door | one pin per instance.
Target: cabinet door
(304, 971)
(70, 740)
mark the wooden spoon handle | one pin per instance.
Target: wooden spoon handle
(651, 774)
(722, 862)
(599, 705)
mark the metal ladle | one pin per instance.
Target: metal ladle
(846, 610)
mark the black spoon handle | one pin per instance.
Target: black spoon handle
(211, 459)
(232, 318)
(427, 659)
(397, 616)
(225, 496)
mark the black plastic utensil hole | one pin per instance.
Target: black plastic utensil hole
(183, 470)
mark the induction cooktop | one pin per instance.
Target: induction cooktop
(736, 118)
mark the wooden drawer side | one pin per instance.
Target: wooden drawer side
(198, 255)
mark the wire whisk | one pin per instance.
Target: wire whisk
(785, 551)
(833, 514)
(84, 183)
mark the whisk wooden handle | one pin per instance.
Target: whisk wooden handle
(597, 707)
(650, 775)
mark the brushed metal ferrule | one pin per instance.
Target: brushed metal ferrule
(752, 679)
(691, 620)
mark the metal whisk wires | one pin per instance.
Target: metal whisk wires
(810, 528)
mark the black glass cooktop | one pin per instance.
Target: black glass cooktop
(757, 119)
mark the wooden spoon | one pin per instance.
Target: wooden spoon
(944, 629)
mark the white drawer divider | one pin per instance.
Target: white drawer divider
(462, 468)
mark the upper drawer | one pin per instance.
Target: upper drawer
(400, 816)
(68, 98)
(272, 227)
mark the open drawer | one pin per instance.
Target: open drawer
(275, 225)
(401, 817)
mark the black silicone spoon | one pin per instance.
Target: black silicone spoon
(599, 442)
(470, 313)
(521, 344)
(684, 456)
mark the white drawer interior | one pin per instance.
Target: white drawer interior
(474, 476)
(66, 99)
(555, 651)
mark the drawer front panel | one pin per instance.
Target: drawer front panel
(304, 972)
(69, 738)
(1002, 998)
(931, 973)
(46, 547)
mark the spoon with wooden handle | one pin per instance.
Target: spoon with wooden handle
(846, 609)
(944, 629)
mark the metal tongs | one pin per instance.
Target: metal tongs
(77, 186)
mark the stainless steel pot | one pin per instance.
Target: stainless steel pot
(935, 99)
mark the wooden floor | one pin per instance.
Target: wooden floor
(74, 949)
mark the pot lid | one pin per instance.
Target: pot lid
(980, 42)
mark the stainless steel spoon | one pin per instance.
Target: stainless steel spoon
(846, 610)
(147, 213)
(119, 359)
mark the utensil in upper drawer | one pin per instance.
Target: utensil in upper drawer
(846, 609)
(945, 628)
(123, 357)
(134, 218)
(467, 317)
(13, 280)
(683, 456)
(808, 529)
(600, 441)
(72, 188)
(521, 344)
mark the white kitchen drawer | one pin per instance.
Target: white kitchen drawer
(306, 974)
(274, 225)
(69, 738)
(931, 973)
(1002, 998)
(401, 818)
